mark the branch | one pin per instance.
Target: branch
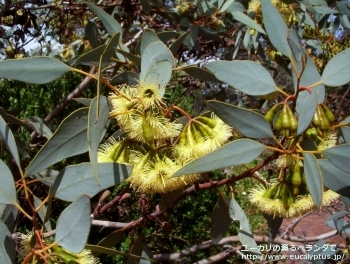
(218, 257)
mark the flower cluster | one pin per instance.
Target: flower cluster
(155, 145)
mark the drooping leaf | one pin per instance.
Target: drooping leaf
(42, 212)
(310, 76)
(69, 139)
(8, 138)
(225, 5)
(275, 27)
(346, 134)
(274, 223)
(337, 70)
(146, 255)
(39, 125)
(339, 156)
(7, 245)
(238, 152)
(46, 176)
(246, 20)
(91, 33)
(325, 10)
(148, 37)
(135, 59)
(8, 193)
(136, 250)
(8, 214)
(36, 70)
(313, 177)
(156, 65)
(305, 107)
(73, 225)
(97, 126)
(220, 220)
(93, 56)
(245, 234)
(111, 240)
(112, 26)
(246, 76)
(130, 78)
(79, 179)
(174, 47)
(249, 123)
(199, 73)
(294, 44)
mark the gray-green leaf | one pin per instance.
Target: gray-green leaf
(339, 156)
(73, 225)
(238, 152)
(220, 220)
(249, 123)
(313, 177)
(7, 245)
(246, 76)
(7, 186)
(337, 70)
(8, 138)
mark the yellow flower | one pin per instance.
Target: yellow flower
(86, 257)
(153, 174)
(328, 142)
(274, 207)
(159, 126)
(201, 136)
(24, 243)
(149, 94)
(121, 106)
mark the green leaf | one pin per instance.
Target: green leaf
(246, 20)
(9, 214)
(249, 123)
(246, 76)
(7, 186)
(345, 133)
(313, 177)
(225, 5)
(275, 27)
(325, 10)
(136, 250)
(337, 70)
(83, 101)
(97, 126)
(156, 65)
(165, 36)
(79, 179)
(91, 33)
(345, 121)
(199, 73)
(339, 156)
(111, 240)
(46, 176)
(7, 245)
(148, 37)
(310, 77)
(36, 70)
(39, 126)
(73, 225)
(135, 59)
(238, 152)
(69, 139)
(146, 254)
(130, 78)
(112, 26)
(305, 107)
(8, 138)
(220, 220)
(245, 235)
(293, 41)
(274, 223)
(93, 56)
(174, 47)
(42, 212)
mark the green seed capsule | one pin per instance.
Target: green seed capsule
(285, 117)
(278, 124)
(293, 121)
(325, 125)
(296, 179)
(183, 137)
(329, 114)
(190, 136)
(271, 113)
(270, 193)
(208, 121)
(316, 121)
(147, 132)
